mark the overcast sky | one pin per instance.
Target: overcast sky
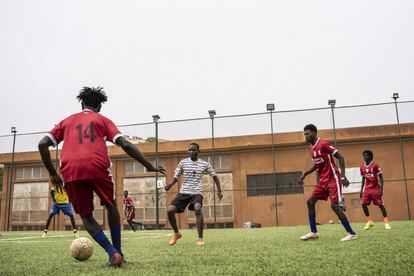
(180, 58)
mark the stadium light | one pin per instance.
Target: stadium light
(270, 107)
(395, 96)
(332, 103)
(212, 113)
(155, 118)
(13, 130)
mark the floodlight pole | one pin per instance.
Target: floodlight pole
(14, 131)
(212, 113)
(155, 119)
(395, 96)
(271, 108)
(332, 104)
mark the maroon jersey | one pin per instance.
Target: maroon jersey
(129, 204)
(322, 154)
(129, 208)
(84, 152)
(370, 173)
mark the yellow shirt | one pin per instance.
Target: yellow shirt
(61, 198)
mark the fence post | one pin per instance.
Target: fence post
(155, 119)
(14, 131)
(212, 113)
(271, 108)
(395, 96)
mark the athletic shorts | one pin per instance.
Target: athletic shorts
(66, 208)
(372, 195)
(331, 190)
(130, 213)
(80, 193)
(181, 201)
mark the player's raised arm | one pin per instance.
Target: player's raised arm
(135, 153)
(341, 160)
(43, 146)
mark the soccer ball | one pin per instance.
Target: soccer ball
(81, 249)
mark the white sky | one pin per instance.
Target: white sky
(181, 58)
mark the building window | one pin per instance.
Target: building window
(31, 173)
(133, 167)
(262, 184)
(224, 207)
(220, 161)
(30, 202)
(142, 192)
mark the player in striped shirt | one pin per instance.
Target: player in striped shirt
(191, 192)
(372, 189)
(330, 181)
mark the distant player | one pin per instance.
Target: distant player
(191, 191)
(60, 202)
(85, 166)
(372, 189)
(329, 184)
(130, 212)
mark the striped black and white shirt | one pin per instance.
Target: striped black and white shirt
(192, 173)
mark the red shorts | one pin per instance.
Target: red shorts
(130, 214)
(80, 193)
(372, 195)
(332, 189)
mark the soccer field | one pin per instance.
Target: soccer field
(265, 251)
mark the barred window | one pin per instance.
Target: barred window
(269, 184)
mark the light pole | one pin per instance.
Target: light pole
(271, 107)
(395, 96)
(332, 104)
(155, 119)
(212, 113)
(14, 131)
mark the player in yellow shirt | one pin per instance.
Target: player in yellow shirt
(60, 203)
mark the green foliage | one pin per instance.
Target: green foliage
(265, 251)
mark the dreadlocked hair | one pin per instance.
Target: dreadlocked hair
(92, 96)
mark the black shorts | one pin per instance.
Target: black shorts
(182, 200)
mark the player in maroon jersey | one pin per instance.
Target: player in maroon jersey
(330, 183)
(130, 212)
(372, 188)
(85, 166)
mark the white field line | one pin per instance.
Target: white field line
(26, 239)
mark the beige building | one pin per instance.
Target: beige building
(244, 165)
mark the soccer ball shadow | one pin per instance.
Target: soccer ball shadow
(81, 249)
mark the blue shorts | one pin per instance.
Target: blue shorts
(65, 207)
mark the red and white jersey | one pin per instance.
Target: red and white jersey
(322, 154)
(129, 204)
(370, 173)
(84, 152)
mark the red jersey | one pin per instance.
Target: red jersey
(322, 154)
(129, 204)
(370, 173)
(84, 152)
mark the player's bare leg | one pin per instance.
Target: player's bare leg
(49, 219)
(313, 234)
(131, 225)
(369, 223)
(171, 211)
(384, 214)
(200, 223)
(74, 228)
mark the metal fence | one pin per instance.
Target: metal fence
(151, 200)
